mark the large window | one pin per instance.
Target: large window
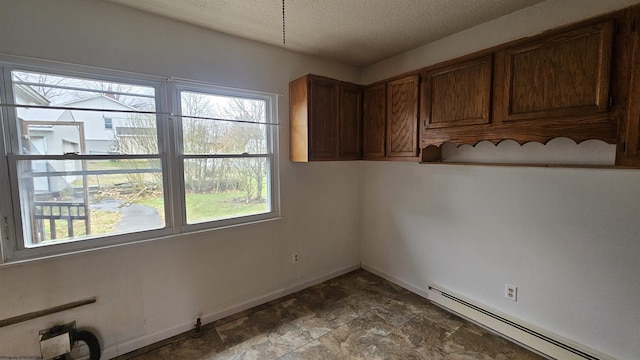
(94, 159)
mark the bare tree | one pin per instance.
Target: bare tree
(200, 137)
(205, 136)
(139, 137)
(45, 89)
(49, 86)
(249, 139)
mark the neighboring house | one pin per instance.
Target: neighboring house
(41, 137)
(101, 129)
(57, 131)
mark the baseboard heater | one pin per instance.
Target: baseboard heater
(539, 340)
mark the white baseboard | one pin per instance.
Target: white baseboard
(147, 340)
(532, 337)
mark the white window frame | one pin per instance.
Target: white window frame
(271, 100)
(167, 93)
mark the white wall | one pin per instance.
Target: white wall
(568, 238)
(147, 292)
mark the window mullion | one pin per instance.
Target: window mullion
(10, 195)
(7, 226)
(175, 167)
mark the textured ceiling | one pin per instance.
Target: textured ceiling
(356, 32)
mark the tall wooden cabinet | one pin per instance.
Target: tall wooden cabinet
(402, 117)
(325, 117)
(374, 119)
(350, 122)
(390, 120)
(629, 140)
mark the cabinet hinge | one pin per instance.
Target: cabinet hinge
(624, 147)
(610, 102)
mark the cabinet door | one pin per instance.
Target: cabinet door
(350, 140)
(458, 94)
(374, 121)
(402, 117)
(323, 118)
(629, 137)
(565, 75)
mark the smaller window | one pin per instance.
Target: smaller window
(108, 123)
(228, 161)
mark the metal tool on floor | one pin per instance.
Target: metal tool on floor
(58, 342)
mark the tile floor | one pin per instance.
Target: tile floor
(355, 316)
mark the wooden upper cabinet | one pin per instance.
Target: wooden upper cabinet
(402, 117)
(350, 122)
(565, 75)
(629, 136)
(457, 94)
(325, 119)
(374, 121)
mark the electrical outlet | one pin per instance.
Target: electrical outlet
(511, 292)
(295, 258)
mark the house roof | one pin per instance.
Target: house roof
(71, 115)
(79, 102)
(29, 93)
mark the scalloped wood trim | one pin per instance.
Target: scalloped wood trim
(595, 127)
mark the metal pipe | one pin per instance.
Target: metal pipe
(40, 313)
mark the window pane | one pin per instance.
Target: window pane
(202, 136)
(222, 106)
(218, 189)
(92, 132)
(64, 200)
(216, 137)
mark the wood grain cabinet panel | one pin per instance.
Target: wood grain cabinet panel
(402, 117)
(350, 122)
(458, 94)
(628, 153)
(564, 75)
(374, 121)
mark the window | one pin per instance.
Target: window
(226, 154)
(88, 158)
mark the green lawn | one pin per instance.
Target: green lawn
(212, 206)
(200, 206)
